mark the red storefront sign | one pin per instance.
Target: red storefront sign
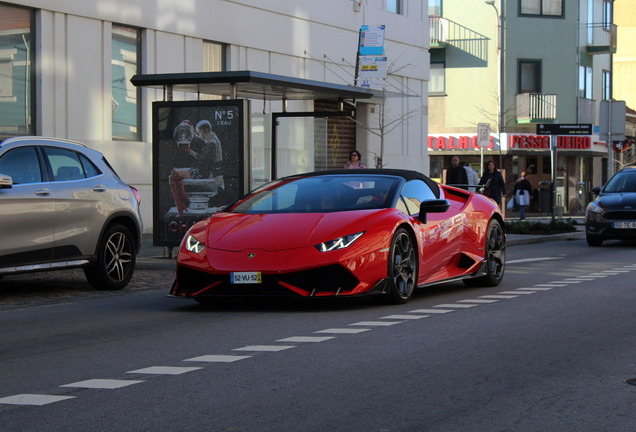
(542, 142)
(521, 142)
(456, 143)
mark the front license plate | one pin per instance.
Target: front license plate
(624, 225)
(245, 277)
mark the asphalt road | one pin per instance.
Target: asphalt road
(551, 349)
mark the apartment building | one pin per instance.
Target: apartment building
(66, 69)
(516, 64)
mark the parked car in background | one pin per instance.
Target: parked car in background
(343, 233)
(612, 215)
(61, 206)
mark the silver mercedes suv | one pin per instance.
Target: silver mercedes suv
(62, 205)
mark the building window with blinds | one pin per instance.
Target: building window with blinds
(213, 61)
(125, 97)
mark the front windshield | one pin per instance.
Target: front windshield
(622, 182)
(322, 194)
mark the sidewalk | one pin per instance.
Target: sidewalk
(158, 257)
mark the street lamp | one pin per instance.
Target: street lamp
(500, 43)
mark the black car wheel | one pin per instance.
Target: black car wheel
(495, 257)
(115, 260)
(403, 264)
(593, 241)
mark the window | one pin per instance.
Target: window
(17, 71)
(553, 8)
(125, 98)
(434, 7)
(585, 82)
(607, 85)
(607, 15)
(213, 61)
(529, 76)
(395, 6)
(67, 165)
(437, 83)
(22, 165)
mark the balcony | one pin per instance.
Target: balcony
(444, 33)
(536, 108)
(601, 38)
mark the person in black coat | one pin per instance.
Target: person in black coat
(456, 174)
(497, 186)
(523, 194)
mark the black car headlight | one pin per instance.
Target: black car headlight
(192, 244)
(339, 243)
(594, 212)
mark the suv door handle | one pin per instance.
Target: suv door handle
(43, 192)
(99, 188)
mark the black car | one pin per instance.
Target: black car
(612, 215)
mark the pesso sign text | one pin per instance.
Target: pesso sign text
(542, 142)
(516, 142)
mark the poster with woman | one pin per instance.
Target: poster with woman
(198, 163)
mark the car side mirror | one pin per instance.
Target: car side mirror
(432, 206)
(596, 190)
(6, 182)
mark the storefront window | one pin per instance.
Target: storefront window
(125, 98)
(16, 71)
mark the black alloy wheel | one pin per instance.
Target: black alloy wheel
(403, 265)
(115, 260)
(495, 256)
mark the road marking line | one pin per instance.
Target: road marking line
(306, 339)
(534, 289)
(404, 317)
(550, 285)
(343, 330)
(376, 323)
(573, 281)
(109, 384)
(493, 296)
(432, 311)
(218, 358)
(33, 399)
(517, 292)
(478, 301)
(597, 275)
(265, 348)
(455, 305)
(165, 370)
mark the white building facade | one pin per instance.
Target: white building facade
(65, 69)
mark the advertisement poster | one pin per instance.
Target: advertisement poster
(198, 149)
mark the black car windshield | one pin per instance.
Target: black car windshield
(322, 194)
(622, 182)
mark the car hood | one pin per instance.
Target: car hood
(619, 201)
(276, 232)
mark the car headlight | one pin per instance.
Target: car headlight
(594, 212)
(339, 243)
(193, 245)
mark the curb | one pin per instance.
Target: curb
(524, 239)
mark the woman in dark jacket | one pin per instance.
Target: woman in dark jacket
(497, 187)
